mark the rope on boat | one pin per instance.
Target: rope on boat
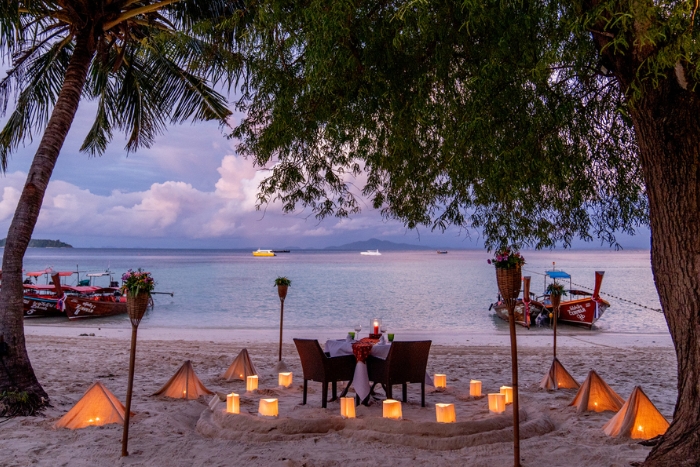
(658, 310)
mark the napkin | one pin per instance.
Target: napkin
(348, 338)
(381, 340)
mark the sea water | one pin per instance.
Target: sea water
(409, 290)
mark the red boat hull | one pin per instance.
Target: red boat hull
(87, 307)
(35, 307)
(581, 312)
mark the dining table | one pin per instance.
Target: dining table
(362, 349)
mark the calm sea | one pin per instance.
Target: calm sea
(409, 290)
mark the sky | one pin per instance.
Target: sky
(190, 190)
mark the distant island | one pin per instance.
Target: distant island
(41, 243)
(376, 244)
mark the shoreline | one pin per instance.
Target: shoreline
(566, 338)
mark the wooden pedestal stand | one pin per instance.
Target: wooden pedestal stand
(509, 286)
(136, 306)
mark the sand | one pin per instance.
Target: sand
(172, 432)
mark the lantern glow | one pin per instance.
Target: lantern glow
(475, 388)
(445, 413)
(285, 379)
(251, 383)
(268, 407)
(508, 392)
(440, 381)
(233, 403)
(497, 403)
(347, 407)
(392, 409)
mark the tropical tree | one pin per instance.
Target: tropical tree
(532, 123)
(146, 63)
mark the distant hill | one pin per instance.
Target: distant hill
(40, 243)
(376, 244)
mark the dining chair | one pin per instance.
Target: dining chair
(317, 366)
(405, 364)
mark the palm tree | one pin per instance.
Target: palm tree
(147, 63)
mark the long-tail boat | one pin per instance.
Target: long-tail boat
(581, 308)
(100, 302)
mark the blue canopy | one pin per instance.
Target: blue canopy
(558, 275)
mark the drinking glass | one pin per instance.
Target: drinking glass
(382, 328)
(358, 328)
(391, 337)
(352, 334)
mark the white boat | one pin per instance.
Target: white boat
(371, 253)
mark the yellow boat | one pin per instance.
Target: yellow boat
(263, 253)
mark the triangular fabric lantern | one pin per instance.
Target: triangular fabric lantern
(637, 419)
(184, 384)
(558, 378)
(595, 395)
(97, 407)
(241, 368)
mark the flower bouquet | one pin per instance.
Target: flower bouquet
(137, 285)
(508, 262)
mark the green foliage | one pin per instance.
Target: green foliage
(556, 289)
(151, 62)
(282, 281)
(43, 243)
(507, 118)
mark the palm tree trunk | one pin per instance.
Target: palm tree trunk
(16, 373)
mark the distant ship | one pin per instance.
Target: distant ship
(371, 253)
(442, 252)
(264, 253)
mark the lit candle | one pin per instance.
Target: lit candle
(475, 388)
(347, 407)
(233, 403)
(251, 383)
(445, 413)
(375, 325)
(497, 403)
(508, 392)
(440, 381)
(285, 379)
(268, 407)
(391, 409)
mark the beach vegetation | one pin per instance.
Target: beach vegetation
(527, 123)
(146, 64)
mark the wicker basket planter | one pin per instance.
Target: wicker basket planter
(282, 291)
(509, 282)
(556, 301)
(136, 306)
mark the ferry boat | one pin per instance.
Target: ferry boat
(371, 253)
(264, 253)
(579, 308)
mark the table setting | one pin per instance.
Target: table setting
(376, 345)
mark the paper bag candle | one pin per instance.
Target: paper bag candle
(347, 407)
(497, 403)
(508, 392)
(268, 407)
(445, 413)
(475, 388)
(392, 409)
(285, 379)
(233, 403)
(251, 383)
(440, 381)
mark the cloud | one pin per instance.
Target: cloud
(178, 209)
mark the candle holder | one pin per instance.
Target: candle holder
(375, 324)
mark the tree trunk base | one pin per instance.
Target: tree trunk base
(681, 451)
(22, 403)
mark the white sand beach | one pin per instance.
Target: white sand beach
(168, 432)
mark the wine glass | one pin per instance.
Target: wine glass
(382, 328)
(358, 328)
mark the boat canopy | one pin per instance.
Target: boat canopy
(558, 275)
(48, 271)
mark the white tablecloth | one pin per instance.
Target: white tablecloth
(338, 348)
